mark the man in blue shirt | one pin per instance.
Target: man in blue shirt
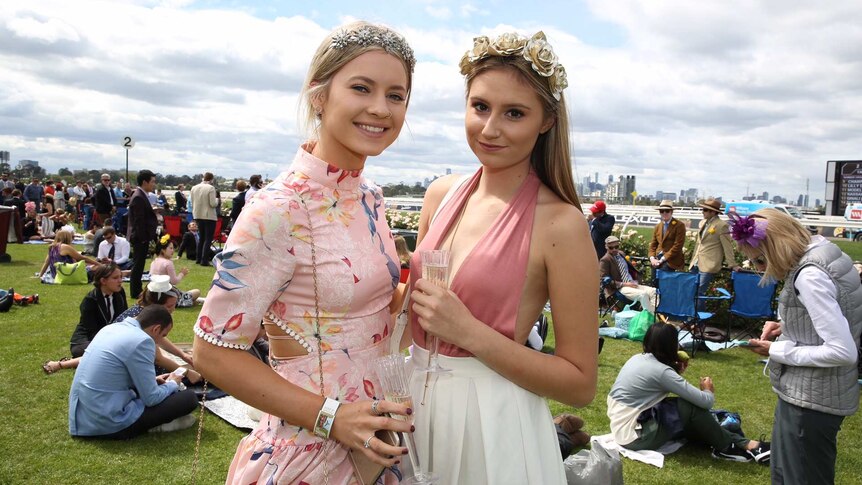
(115, 393)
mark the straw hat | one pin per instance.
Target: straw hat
(665, 204)
(711, 204)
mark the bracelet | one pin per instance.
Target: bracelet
(325, 418)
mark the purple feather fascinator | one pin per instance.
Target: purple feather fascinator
(747, 229)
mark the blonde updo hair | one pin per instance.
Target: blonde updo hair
(328, 60)
(551, 157)
(784, 245)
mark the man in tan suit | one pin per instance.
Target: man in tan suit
(713, 247)
(205, 210)
(668, 240)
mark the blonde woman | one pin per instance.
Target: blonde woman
(516, 236)
(813, 348)
(404, 256)
(62, 251)
(311, 255)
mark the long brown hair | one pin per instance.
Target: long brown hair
(551, 157)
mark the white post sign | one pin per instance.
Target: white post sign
(128, 143)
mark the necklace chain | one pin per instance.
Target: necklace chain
(317, 328)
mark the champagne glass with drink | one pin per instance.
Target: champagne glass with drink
(435, 268)
(392, 372)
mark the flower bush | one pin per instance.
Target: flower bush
(402, 219)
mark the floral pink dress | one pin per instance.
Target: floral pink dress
(265, 272)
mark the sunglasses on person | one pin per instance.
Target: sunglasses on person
(615, 246)
(664, 211)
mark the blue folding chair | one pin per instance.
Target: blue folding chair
(677, 299)
(750, 302)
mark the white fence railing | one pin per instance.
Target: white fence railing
(648, 215)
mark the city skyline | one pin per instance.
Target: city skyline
(713, 96)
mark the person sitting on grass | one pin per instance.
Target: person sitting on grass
(30, 228)
(98, 308)
(116, 393)
(61, 251)
(163, 265)
(114, 248)
(190, 242)
(157, 292)
(92, 238)
(643, 417)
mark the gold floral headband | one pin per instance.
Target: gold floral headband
(536, 50)
(164, 240)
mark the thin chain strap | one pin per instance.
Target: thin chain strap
(317, 327)
(198, 438)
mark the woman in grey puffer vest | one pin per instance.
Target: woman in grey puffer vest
(813, 347)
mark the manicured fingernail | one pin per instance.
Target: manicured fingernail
(409, 410)
(397, 462)
(412, 428)
(404, 452)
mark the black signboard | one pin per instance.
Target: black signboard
(848, 185)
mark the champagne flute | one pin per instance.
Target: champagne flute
(435, 268)
(392, 372)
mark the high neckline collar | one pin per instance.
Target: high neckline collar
(323, 172)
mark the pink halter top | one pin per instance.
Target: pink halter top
(491, 279)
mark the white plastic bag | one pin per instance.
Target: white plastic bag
(621, 319)
(597, 466)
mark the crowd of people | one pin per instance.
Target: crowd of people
(311, 264)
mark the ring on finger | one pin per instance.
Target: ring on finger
(367, 443)
(374, 405)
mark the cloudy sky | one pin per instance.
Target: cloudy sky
(716, 95)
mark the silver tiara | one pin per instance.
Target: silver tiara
(369, 35)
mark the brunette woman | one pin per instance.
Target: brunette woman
(516, 236)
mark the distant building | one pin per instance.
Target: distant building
(688, 196)
(665, 196)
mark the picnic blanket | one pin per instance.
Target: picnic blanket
(234, 411)
(650, 457)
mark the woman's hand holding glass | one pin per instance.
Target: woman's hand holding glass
(395, 382)
(356, 422)
(441, 313)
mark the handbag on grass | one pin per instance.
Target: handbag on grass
(71, 273)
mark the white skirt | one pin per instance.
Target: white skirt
(477, 427)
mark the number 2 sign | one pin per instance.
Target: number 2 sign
(127, 142)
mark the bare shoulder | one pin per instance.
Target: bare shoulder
(437, 190)
(557, 219)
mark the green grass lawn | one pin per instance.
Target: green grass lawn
(37, 447)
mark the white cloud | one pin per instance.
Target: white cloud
(716, 96)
